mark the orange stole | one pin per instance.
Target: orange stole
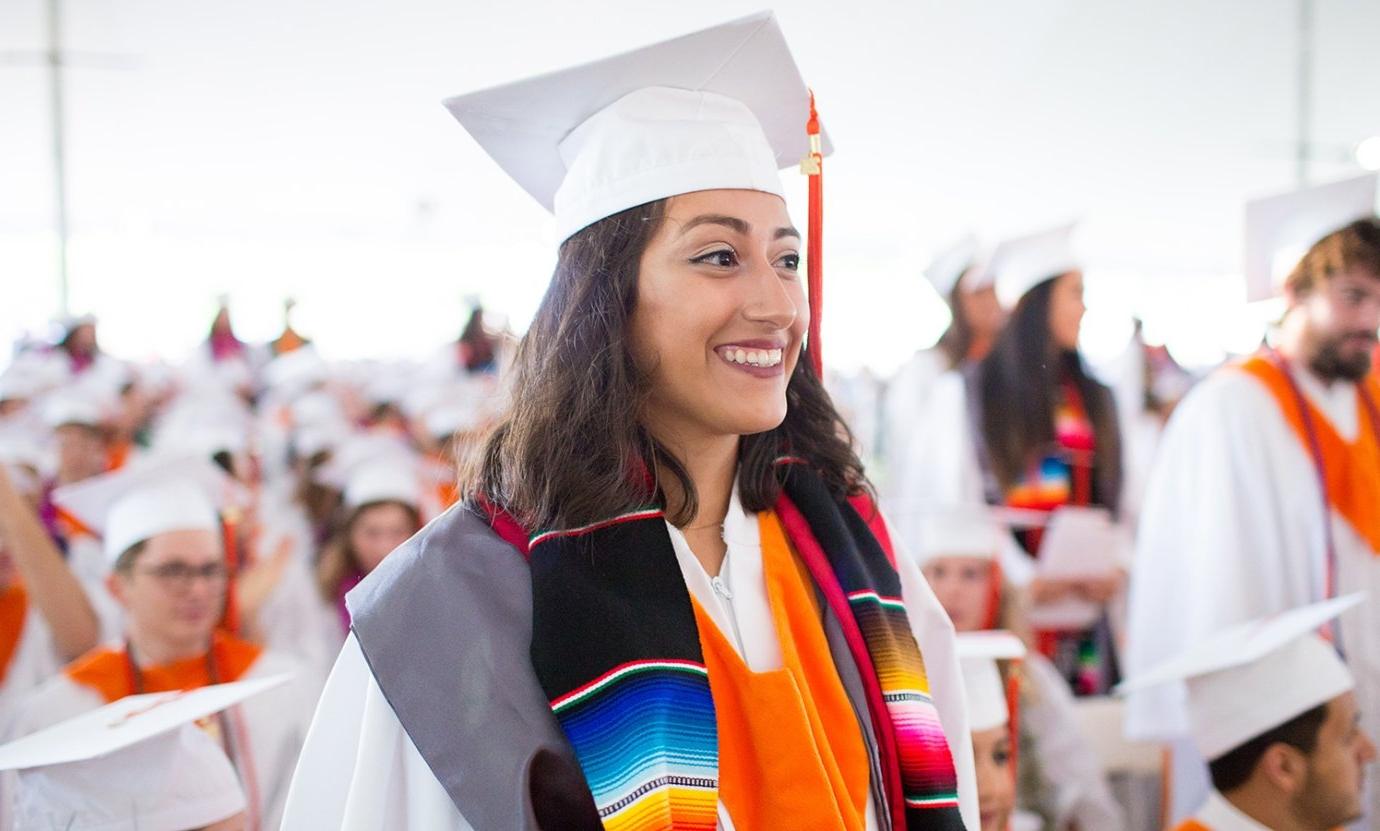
(1352, 468)
(791, 752)
(107, 671)
(14, 606)
(1191, 825)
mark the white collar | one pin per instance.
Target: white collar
(1220, 815)
(744, 617)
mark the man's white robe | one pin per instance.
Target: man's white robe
(1232, 529)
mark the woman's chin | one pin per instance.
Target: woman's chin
(746, 424)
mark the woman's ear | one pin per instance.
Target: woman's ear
(1285, 767)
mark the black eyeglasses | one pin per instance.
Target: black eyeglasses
(181, 575)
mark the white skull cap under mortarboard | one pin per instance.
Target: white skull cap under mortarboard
(978, 653)
(1022, 263)
(1280, 229)
(137, 764)
(150, 497)
(950, 264)
(724, 107)
(1250, 678)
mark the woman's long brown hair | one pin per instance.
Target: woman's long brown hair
(1018, 384)
(572, 449)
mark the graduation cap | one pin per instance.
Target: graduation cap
(1250, 678)
(950, 264)
(1022, 263)
(372, 468)
(724, 107)
(137, 763)
(987, 696)
(959, 531)
(1281, 228)
(150, 497)
(76, 405)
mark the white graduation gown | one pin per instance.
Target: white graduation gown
(1069, 767)
(904, 407)
(942, 473)
(36, 658)
(274, 724)
(360, 771)
(1220, 815)
(1232, 529)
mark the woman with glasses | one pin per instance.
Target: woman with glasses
(161, 532)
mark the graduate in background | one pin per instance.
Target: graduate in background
(382, 507)
(668, 601)
(162, 537)
(1029, 428)
(989, 661)
(1236, 523)
(1061, 778)
(1274, 711)
(959, 277)
(47, 616)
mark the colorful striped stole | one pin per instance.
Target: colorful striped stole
(616, 648)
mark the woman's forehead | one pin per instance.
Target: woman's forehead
(756, 208)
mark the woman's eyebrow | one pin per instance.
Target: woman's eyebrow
(716, 219)
(735, 224)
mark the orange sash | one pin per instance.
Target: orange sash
(1351, 469)
(108, 672)
(791, 752)
(1191, 825)
(14, 606)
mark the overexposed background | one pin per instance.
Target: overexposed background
(268, 148)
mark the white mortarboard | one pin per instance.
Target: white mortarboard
(20, 382)
(950, 264)
(75, 405)
(970, 531)
(1251, 678)
(1280, 229)
(374, 468)
(22, 455)
(384, 480)
(1022, 263)
(296, 372)
(150, 497)
(978, 653)
(139, 763)
(724, 107)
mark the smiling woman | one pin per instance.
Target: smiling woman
(668, 600)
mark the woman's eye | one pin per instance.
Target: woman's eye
(723, 258)
(790, 262)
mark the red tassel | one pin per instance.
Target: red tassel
(813, 166)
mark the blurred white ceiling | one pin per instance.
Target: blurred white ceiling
(266, 147)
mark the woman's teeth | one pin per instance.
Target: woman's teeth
(752, 357)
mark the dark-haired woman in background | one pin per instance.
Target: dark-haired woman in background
(1029, 428)
(668, 600)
